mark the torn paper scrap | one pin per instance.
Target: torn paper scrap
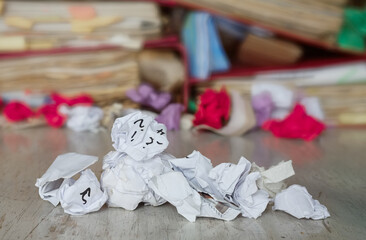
(272, 178)
(64, 166)
(83, 118)
(251, 200)
(139, 136)
(174, 188)
(296, 201)
(83, 195)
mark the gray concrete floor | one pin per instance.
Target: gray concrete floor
(331, 167)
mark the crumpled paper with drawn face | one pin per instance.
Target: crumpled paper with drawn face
(83, 195)
(139, 136)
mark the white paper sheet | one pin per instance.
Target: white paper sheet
(83, 118)
(174, 188)
(296, 201)
(64, 166)
(139, 136)
(83, 195)
(272, 178)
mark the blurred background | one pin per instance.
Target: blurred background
(180, 60)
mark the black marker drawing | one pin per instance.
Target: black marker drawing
(87, 191)
(161, 132)
(159, 142)
(152, 140)
(133, 136)
(141, 122)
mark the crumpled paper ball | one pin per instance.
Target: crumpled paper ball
(139, 136)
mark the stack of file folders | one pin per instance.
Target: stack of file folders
(74, 47)
(104, 74)
(32, 25)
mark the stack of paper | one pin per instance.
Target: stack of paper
(105, 74)
(311, 19)
(33, 25)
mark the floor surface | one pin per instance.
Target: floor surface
(331, 167)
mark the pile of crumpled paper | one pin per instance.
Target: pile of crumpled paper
(139, 171)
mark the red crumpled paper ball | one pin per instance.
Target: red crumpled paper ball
(296, 125)
(52, 115)
(17, 111)
(213, 109)
(59, 99)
